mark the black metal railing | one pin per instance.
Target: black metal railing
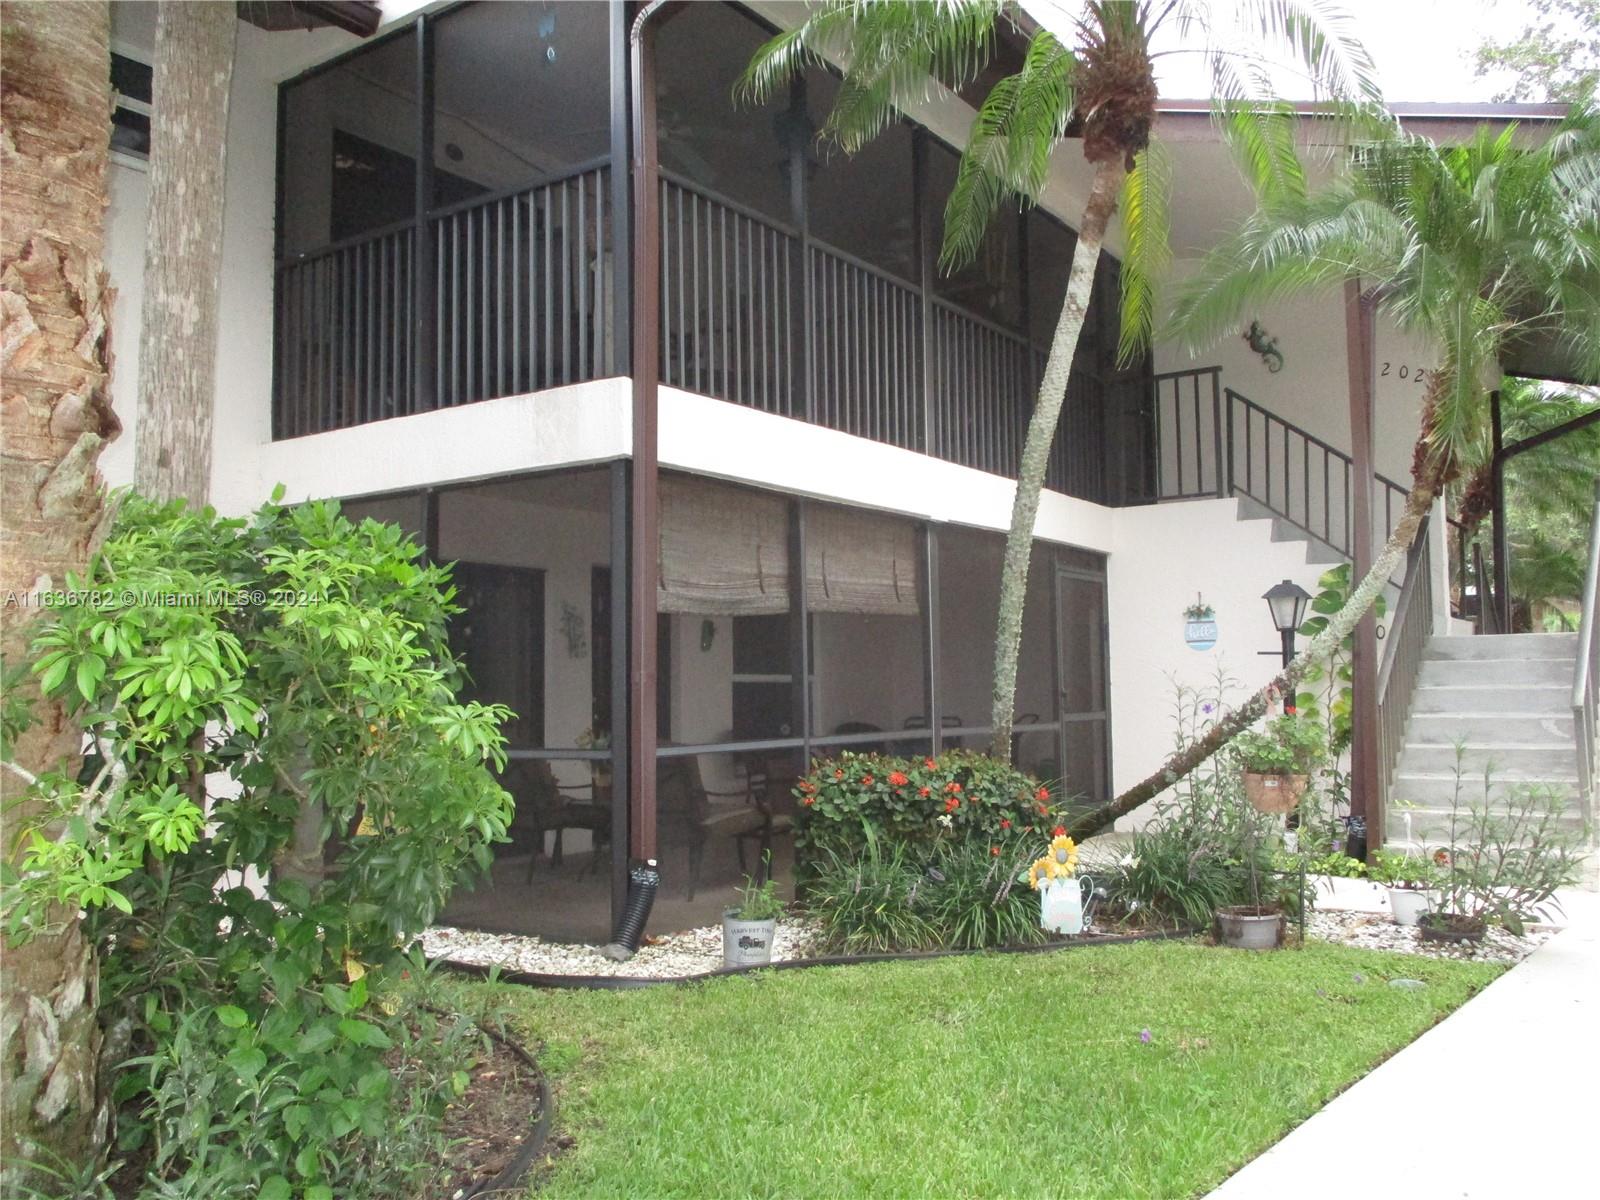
(846, 344)
(345, 354)
(1189, 422)
(1409, 630)
(1213, 441)
(727, 310)
(521, 297)
(514, 295)
(866, 350)
(982, 391)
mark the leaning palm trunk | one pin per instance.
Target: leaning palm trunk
(1184, 761)
(1097, 214)
(54, 418)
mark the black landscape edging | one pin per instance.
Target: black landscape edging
(630, 982)
(511, 1176)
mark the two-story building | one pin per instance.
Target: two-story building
(789, 544)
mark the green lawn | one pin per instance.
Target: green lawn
(1007, 1075)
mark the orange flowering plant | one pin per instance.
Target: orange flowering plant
(959, 794)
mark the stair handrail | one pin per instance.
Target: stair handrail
(1586, 669)
(1402, 656)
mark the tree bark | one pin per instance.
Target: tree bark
(183, 250)
(54, 418)
(1181, 763)
(1097, 213)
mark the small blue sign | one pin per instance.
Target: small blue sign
(1201, 635)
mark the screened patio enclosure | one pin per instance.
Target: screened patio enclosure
(453, 227)
(788, 630)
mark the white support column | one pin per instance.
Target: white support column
(1439, 550)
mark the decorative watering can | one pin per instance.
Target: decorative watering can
(1064, 904)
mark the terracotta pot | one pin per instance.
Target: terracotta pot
(1274, 793)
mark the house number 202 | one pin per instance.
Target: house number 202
(1405, 371)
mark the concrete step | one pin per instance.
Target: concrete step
(1489, 699)
(1459, 672)
(1536, 760)
(1439, 728)
(1503, 645)
(1430, 823)
(1436, 788)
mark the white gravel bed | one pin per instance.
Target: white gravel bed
(1370, 931)
(670, 957)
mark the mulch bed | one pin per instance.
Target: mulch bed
(492, 1126)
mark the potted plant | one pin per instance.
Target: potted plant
(749, 927)
(1257, 925)
(1411, 882)
(1277, 761)
(1508, 854)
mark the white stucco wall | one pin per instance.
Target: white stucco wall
(1163, 556)
(1312, 390)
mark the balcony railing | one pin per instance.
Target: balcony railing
(848, 345)
(513, 295)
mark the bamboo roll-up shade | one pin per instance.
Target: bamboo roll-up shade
(860, 562)
(724, 549)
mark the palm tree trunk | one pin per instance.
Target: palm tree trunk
(1184, 761)
(55, 107)
(183, 250)
(1097, 213)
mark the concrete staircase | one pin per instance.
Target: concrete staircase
(1317, 551)
(1506, 700)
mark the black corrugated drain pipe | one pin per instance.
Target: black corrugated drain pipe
(643, 880)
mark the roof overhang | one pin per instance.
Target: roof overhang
(360, 17)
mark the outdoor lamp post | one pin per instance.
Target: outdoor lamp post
(1287, 600)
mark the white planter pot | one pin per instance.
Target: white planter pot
(1408, 904)
(746, 943)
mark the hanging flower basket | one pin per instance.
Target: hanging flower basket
(1274, 793)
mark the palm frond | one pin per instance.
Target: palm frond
(1263, 143)
(1146, 220)
(1008, 150)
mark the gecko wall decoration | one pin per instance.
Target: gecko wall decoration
(1266, 347)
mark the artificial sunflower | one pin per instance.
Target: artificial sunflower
(1064, 852)
(1042, 871)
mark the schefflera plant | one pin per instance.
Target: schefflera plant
(281, 789)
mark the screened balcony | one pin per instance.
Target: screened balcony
(794, 279)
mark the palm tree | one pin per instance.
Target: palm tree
(54, 103)
(183, 250)
(1103, 87)
(1471, 247)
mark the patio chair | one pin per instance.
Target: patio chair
(706, 812)
(542, 807)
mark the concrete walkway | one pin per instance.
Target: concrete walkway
(1497, 1102)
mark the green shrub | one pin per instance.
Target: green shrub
(303, 659)
(1173, 877)
(865, 902)
(957, 796)
(977, 899)
(957, 894)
